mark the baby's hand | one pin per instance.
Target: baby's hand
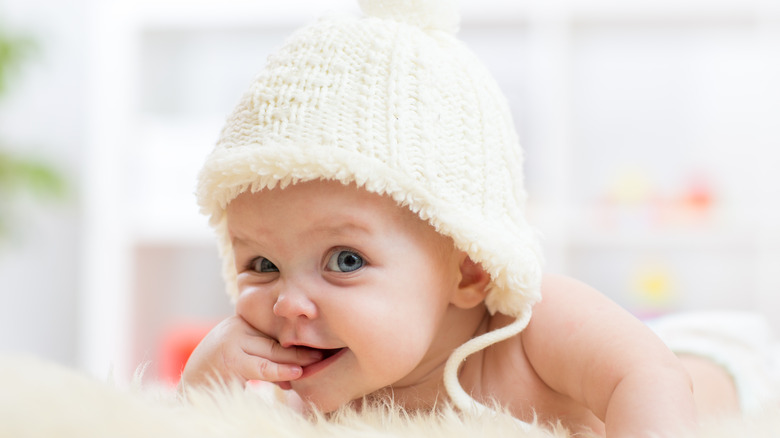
(234, 351)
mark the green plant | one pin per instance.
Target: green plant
(12, 50)
(20, 174)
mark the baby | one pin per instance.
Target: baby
(368, 194)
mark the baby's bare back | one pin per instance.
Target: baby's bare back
(505, 374)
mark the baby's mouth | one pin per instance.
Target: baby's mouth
(329, 356)
(326, 353)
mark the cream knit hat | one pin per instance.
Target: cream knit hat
(396, 104)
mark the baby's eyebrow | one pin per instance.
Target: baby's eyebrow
(331, 228)
(241, 235)
(239, 241)
(342, 228)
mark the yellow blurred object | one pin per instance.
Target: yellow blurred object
(653, 284)
(630, 185)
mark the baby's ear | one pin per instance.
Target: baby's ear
(472, 288)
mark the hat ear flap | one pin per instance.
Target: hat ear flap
(473, 285)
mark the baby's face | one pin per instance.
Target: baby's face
(338, 268)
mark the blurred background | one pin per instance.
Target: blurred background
(650, 129)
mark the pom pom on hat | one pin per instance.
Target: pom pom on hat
(426, 14)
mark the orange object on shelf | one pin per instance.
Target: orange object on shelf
(176, 346)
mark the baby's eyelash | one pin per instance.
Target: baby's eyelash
(261, 265)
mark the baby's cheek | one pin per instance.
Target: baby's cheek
(253, 306)
(404, 345)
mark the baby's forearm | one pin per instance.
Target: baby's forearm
(652, 402)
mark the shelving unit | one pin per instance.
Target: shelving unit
(618, 104)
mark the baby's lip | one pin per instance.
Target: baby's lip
(325, 351)
(329, 356)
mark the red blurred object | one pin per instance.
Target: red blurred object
(699, 192)
(176, 346)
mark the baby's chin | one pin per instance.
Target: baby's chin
(316, 405)
(320, 400)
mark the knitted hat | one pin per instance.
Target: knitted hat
(394, 103)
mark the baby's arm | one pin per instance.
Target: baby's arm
(584, 345)
(234, 351)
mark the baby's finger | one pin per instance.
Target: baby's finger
(270, 349)
(264, 369)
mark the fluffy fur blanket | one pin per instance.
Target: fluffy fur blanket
(40, 399)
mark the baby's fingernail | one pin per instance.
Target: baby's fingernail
(315, 354)
(296, 371)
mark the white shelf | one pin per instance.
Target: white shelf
(673, 240)
(173, 229)
(167, 156)
(587, 229)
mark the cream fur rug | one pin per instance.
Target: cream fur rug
(40, 399)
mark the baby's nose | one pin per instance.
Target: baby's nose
(294, 304)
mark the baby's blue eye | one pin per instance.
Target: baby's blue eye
(345, 261)
(262, 264)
